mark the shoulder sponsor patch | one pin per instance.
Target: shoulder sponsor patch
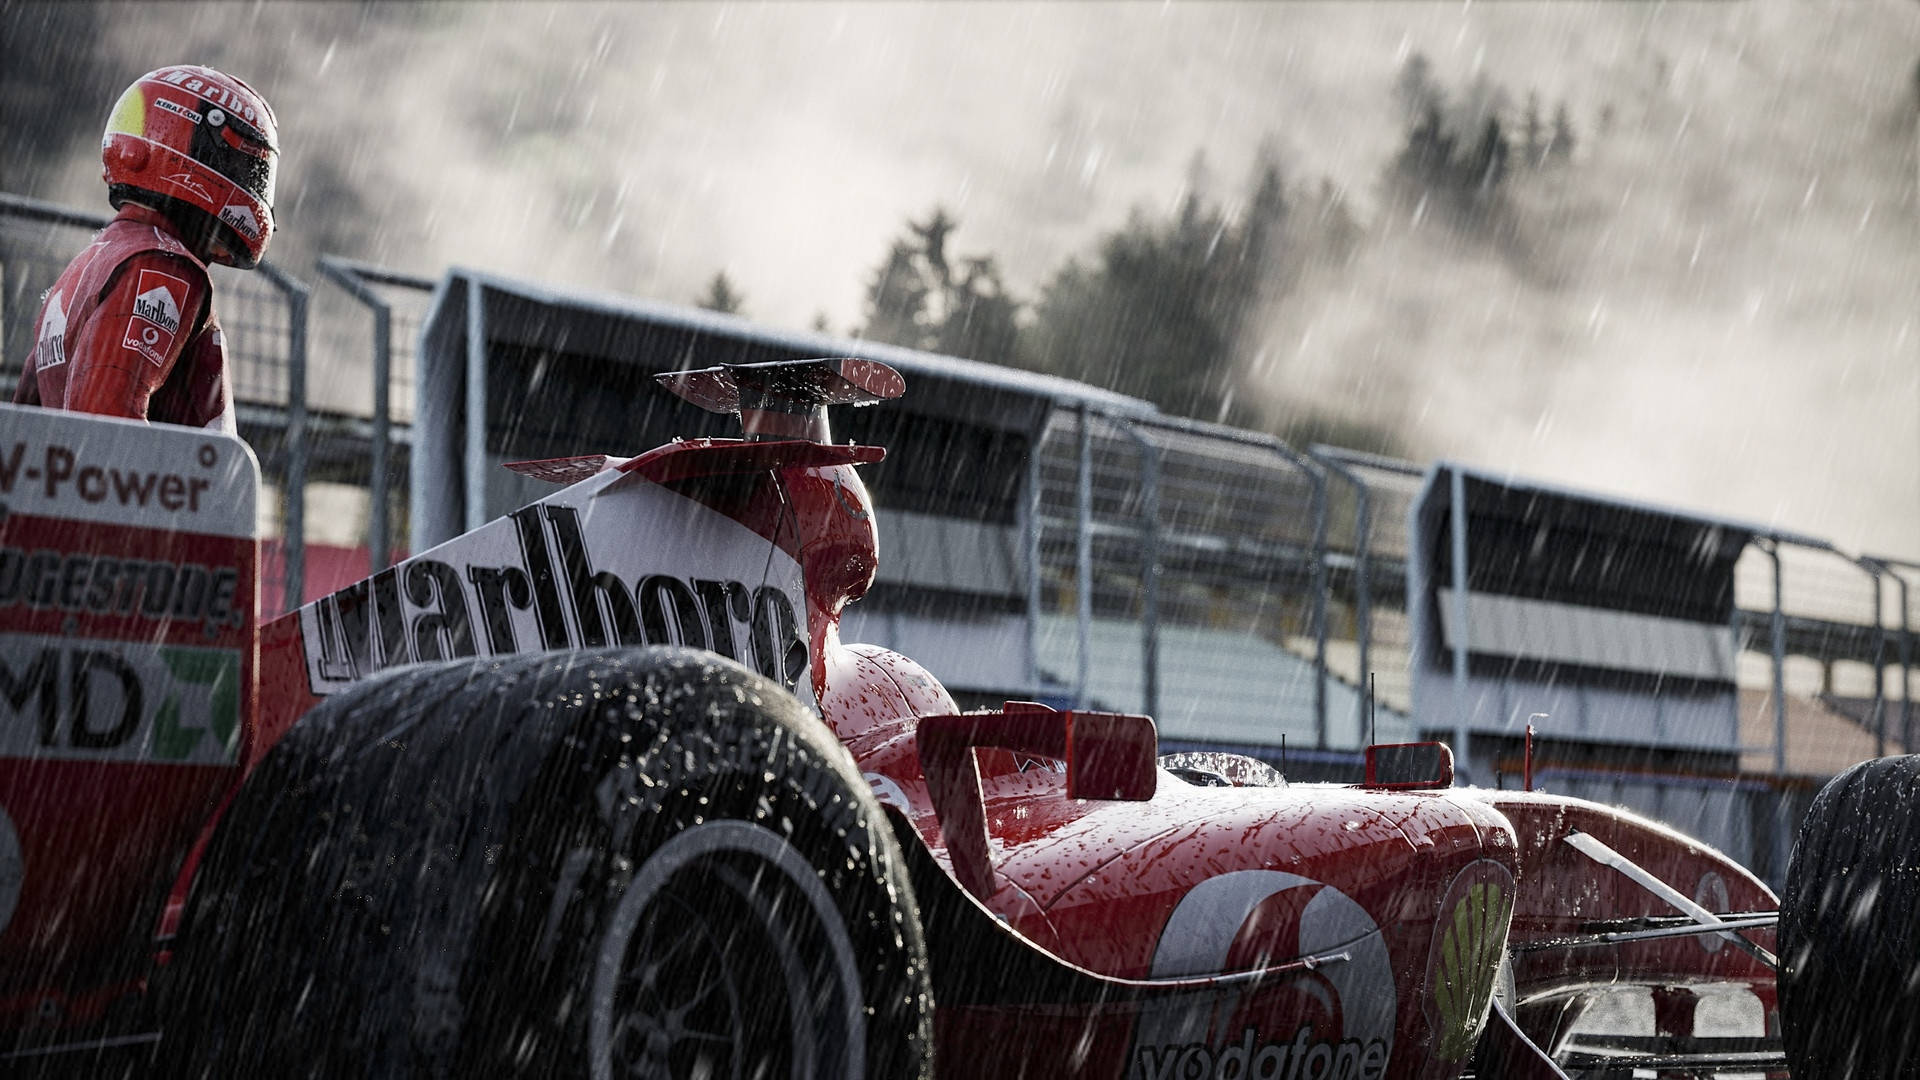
(53, 333)
(156, 315)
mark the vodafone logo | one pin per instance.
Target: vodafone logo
(156, 315)
(242, 219)
(1349, 999)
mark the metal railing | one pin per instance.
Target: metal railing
(1171, 523)
(365, 283)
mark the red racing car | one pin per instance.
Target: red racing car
(597, 790)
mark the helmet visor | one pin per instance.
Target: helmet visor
(235, 150)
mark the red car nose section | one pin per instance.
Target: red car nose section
(1350, 990)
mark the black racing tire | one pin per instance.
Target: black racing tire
(1849, 935)
(642, 862)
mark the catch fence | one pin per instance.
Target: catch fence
(264, 316)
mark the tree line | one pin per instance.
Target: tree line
(1168, 307)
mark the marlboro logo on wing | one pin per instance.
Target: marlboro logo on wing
(156, 315)
(530, 582)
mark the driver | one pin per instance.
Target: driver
(128, 329)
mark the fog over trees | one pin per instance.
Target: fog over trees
(1662, 250)
(1166, 306)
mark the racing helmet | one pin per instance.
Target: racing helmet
(199, 146)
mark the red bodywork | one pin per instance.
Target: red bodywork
(128, 587)
(1178, 931)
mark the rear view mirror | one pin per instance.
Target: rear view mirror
(1108, 756)
(1409, 765)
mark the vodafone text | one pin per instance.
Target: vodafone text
(1252, 1059)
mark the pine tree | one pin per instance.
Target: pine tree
(1560, 147)
(1488, 165)
(721, 296)
(1159, 314)
(924, 297)
(897, 300)
(1416, 90)
(1533, 145)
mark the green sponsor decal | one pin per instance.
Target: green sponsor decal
(219, 672)
(1473, 942)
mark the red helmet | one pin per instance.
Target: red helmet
(201, 147)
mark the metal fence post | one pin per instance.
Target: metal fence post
(1150, 569)
(1463, 765)
(294, 537)
(1873, 569)
(476, 434)
(1906, 672)
(1316, 572)
(1032, 540)
(1894, 568)
(1782, 845)
(354, 277)
(1083, 561)
(1362, 570)
(1777, 628)
(1319, 585)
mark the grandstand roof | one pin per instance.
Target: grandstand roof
(449, 307)
(1511, 482)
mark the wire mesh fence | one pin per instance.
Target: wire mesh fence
(1181, 572)
(1367, 585)
(34, 250)
(265, 320)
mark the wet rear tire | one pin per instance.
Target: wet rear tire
(622, 863)
(1849, 935)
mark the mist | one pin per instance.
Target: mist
(1712, 304)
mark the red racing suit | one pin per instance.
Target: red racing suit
(129, 330)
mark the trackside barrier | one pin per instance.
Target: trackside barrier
(1374, 555)
(266, 334)
(1899, 572)
(1183, 527)
(363, 282)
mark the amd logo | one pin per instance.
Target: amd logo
(97, 706)
(554, 596)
